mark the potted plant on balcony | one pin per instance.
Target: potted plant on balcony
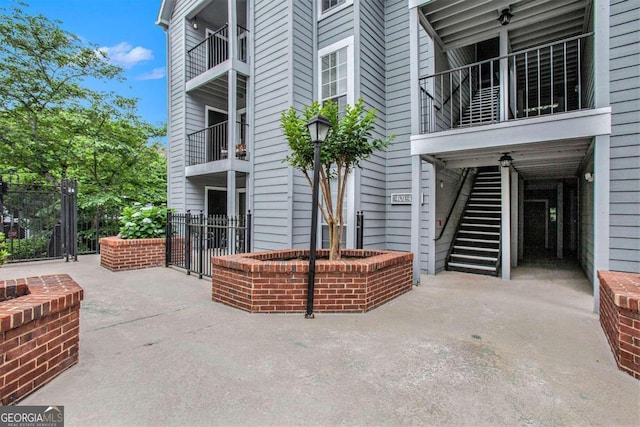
(278, 281)
(141, 241)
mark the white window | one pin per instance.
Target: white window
(328, 7)
(330, 4)
(336, 83)
(334, 78)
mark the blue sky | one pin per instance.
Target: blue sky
(126, 30)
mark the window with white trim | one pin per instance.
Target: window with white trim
(330, 4)
(334, 85)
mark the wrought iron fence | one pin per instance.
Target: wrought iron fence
(38, 218)
(94, 224)
(192, 239)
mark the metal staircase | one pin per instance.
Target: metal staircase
(476, 246)
(484, 108)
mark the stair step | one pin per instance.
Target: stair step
(486, 233)
(475, 248)
(475, 257)
(467, 224)
(480, 218)
(481, 212)
(485, 205)
(472, 266)
(471, 239)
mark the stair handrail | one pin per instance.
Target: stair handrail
(456, 89)
(463, 180)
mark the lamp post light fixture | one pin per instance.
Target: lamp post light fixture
(318, 129)
(505, 160)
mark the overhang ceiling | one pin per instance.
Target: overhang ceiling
(458, 23)
(544, 160)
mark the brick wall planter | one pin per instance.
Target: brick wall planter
(620, 317)
(40, 330)
(267, 282)
(118, 254)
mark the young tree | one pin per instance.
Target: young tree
(347, 144)
(42, 71)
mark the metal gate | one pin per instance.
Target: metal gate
(192, 239)
(38, 218)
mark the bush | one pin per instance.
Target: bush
(143, 222)
(31, 248)
(4, 254)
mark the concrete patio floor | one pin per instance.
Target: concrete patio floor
(457, 350)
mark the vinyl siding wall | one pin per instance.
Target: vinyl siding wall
(271, 194)
(372, 90)
(398, 121)
(302, 87)
(624, 69)
(335, 27)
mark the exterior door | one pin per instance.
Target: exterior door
(536, 240)
(216, 135)
(216, 208)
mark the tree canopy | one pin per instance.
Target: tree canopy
(53, 125)
(348, 143)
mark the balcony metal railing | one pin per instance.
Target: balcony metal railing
(546, 79)
(212, 144)
(214, 50)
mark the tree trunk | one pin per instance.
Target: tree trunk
(334, 241)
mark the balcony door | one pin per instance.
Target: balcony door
(216, 134)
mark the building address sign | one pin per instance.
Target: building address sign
(401, 198)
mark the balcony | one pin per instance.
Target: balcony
(212, 144)
(215, 50)
(543, 80)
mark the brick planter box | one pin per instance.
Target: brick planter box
(118, 254)
(40, 330)
(276, 282)
(620, 317)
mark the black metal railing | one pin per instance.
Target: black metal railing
(242, 35)
(360, 230)
(38, 218)
(192, 239)
(546, 79)
(211, 144)
(210, 52)
(96, 223)
(214, 50)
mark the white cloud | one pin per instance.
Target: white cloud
(155, 74)
(125, 55)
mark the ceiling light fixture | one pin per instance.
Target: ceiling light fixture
(505, 160)
(505, 16)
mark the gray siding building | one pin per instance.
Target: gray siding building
(517, 129)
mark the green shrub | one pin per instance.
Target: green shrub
(4, 253)
(31, 248)
(143, 222)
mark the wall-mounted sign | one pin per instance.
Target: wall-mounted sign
(401, 199)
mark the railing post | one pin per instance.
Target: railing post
(167, 245)
(187, 241)
(248, 232)
(201, 246)
(360, 230)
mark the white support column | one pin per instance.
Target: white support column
(233, 30)
(514, 218)
(414, 70)
(504, 75)
(232, 116)
(520, 219)
(560, 221)
(431, 238)
(505, 224)
(416, 173)
(231, 193)
(600, 213)
(601, 27)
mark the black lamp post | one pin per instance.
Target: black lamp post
(318, 129)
